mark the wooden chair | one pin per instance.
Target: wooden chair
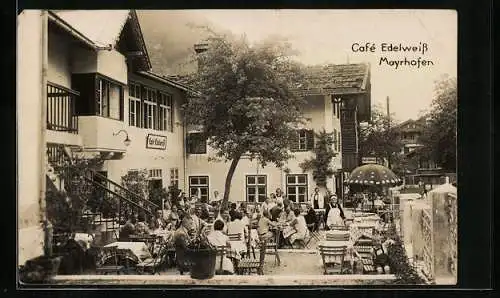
(365, 255)
(107, 261)
(249, 265)
(333, 259)
(271, 246)
(153, 264)
(337, 237)
(221, 253)
(339, 227)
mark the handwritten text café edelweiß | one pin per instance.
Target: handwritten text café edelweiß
(418, 62)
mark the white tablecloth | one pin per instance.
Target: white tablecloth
(84, 239)
(139, 249)
(239, 246)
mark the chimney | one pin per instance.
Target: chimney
(200, 47)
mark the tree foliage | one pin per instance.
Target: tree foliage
(440, 135)
(321, 163)
(379, 138)
(247, 104)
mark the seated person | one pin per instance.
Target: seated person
(289, 218)
(218, 238)
(276, 211)
(182, 237)
(263, 226)
(199, 224)
(129, 228)
(232, 210)
(300, 226)
(174, 218)
(311, 218)
(159, 221)
(141, 227)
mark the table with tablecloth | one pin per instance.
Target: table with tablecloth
(136, 250)
(84, 239)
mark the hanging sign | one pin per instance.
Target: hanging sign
(367, 160)
(156, 142)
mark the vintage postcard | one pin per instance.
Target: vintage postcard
(237, 147)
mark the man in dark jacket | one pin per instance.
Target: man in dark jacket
(276, 212)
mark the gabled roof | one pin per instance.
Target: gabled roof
(102, 28)
(335, 79)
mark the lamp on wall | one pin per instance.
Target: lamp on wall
(127, 140)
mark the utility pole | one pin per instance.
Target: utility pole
(388, 129)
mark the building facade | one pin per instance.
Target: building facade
(99, 98)
(89, 90)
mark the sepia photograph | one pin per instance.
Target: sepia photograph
(273, 147)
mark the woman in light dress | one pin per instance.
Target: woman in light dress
(218, 238)
(300, 225)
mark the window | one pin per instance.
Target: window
(134, 105)
(198, 186)
(174, 177)
(256, 188)
(305, 140)
(165, 112)
(155, 179)
(109, 99)
(150, 108)
(296, 187)
(196, 143)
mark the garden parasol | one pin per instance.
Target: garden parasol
(372, 176)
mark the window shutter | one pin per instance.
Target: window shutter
(188, 143)
(294, 146)
(122, 103)
(310, 139)
(172, 113)
(335, 139)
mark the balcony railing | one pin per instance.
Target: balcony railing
(61, 109)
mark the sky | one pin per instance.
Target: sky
(327, 36)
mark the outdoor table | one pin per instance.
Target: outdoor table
(233, 252)
(239, 246)
(84, 239)
(138, 250)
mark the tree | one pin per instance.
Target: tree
(247, 105)
(440, 134)
(321, 163)
(378, 138)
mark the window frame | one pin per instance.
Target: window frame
(297, 185)
(199, 186)
(165, 115)
(174, 177)
(190, 145)
(255, 186)
(98, 99)
(136, 102)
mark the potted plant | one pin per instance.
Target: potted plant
(203, 257)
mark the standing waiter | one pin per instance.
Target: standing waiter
(316, 199)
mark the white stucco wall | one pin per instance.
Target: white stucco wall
(29, 105)
(59, 69)
(112, 64)
(319, 112)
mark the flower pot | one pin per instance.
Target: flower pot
(203, 263)
(40, 269)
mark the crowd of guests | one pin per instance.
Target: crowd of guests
(277, 217)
